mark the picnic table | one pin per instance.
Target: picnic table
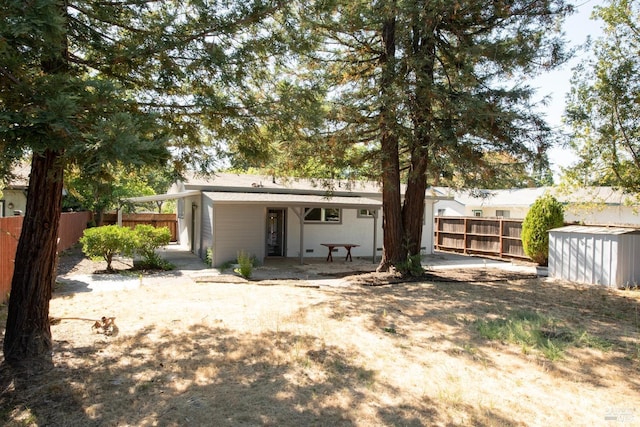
(347, 246)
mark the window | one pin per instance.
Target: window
(441, 212)
(502, 213)
(331, 215)
(477, 212)
(365, 213)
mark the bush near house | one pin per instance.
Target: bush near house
(107, 241)
(545, 213)
(147, 239)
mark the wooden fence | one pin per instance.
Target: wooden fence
(72, 225)
(157, 220)
(499, 237)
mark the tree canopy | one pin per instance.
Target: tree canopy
(423, 91)
(114, 83)
(603, 107)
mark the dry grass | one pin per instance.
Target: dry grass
(405, 354)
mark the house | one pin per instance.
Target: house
(13, 198)
(591, 205)
(281, 217)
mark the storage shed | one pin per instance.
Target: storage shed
(608, 256)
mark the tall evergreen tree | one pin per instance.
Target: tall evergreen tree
(117, 82)
(432, 87)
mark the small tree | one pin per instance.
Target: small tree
(149, 238)
(545, 213)
(106, 242)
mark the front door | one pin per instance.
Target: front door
(276, 232)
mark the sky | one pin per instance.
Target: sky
(577, 27)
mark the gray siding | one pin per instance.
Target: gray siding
(206, 228)
(236, 228)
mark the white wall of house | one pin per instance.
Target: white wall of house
(515, 212)
(601, 214)
(351, 229)
(15, 198)
(449, 208)
(185, 207)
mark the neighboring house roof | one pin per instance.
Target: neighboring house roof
(606, 195)
(20, 179)
(526, 196)
(491, 198)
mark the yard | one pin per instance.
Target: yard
(449, 350)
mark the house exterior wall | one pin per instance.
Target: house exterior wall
(185, 221)
(352, 229)
(236, 228)
(449, 208)
(15, 197)
(515, 212)
(601, 215)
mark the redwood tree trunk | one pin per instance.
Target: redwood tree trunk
(391, 202)
(413, 208)
(27, 340)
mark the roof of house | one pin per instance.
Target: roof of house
(246, 183)
(301, 200)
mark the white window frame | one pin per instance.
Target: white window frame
(477, 213)
(323, 216)
(365, 213)
(501, 213)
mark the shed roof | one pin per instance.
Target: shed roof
(584, 229)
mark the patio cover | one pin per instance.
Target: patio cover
(298, 202)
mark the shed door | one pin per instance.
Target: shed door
(275, 232)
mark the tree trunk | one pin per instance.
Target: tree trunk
(413, 208)
(422, 49)
(391, 202)
(27, 340)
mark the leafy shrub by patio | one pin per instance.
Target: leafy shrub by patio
(106, 242)
(110, 240)
(147, 239)
(545, 213)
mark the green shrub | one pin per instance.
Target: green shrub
(245, 265)
(545, 213)
(147, 239)
(411, 267)
(106, 242)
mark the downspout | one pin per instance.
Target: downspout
(375, 234)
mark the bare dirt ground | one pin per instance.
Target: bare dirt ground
(376, 352)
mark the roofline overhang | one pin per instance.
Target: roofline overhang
(162, 197)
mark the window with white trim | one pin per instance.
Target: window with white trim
(502, 213)
(365, 213)
(477, 212)
(329, 215)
